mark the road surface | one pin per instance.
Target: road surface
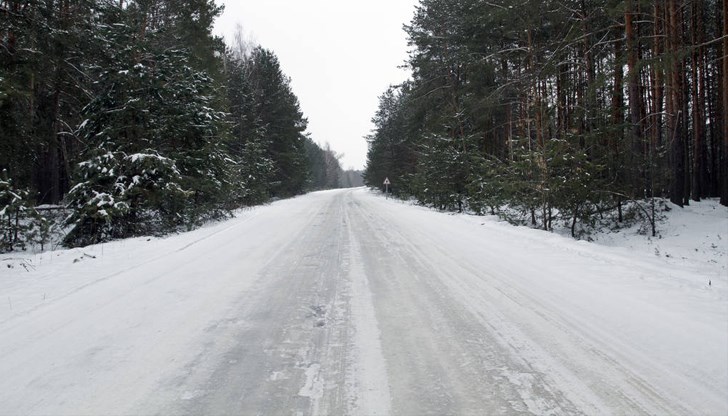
(343, 302)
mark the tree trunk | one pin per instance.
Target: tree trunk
(696, 87)
(588, 58)
(561, 83)
(635, 99)
(677, 117)
(657, 78)
(724, 110)
(617, 138)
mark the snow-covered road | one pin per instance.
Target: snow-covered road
(344, 302)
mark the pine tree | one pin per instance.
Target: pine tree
(154, 159)
(281, 121)
(251, 165)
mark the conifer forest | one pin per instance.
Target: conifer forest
(138, 120)
(568, 110)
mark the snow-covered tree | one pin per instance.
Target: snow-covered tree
(154, 157)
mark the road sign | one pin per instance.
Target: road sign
(387, 182)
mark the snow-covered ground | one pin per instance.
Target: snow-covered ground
(346, 302)
(694, 237)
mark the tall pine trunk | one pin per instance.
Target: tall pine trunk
(697, 98)
(724, 85)
(657, 78)
(635, 100)
(618, 120)
(675, 112)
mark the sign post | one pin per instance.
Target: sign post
(386, 186)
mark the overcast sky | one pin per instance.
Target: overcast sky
(340, 55)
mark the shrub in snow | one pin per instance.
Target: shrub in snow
(20, 223)
(121, 195)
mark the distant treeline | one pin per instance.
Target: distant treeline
(137, 118)
(558, 109)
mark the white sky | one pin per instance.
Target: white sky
(340, 54)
